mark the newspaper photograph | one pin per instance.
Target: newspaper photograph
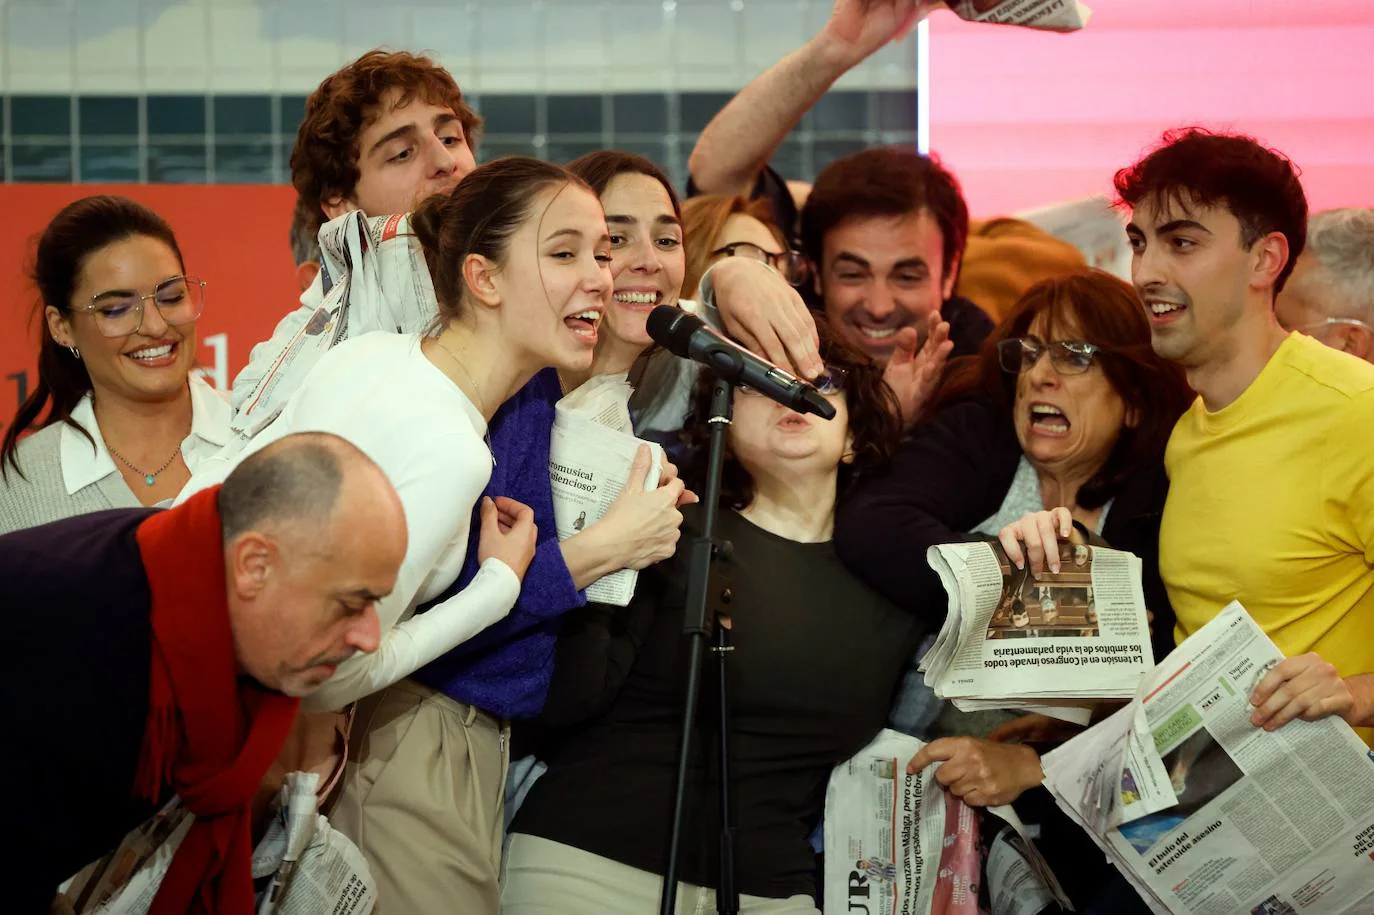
(899, 844)
(1206, 813)
(1038, 640)
(1051, 15)
(590, 454)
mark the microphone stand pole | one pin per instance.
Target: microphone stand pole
(697, 627)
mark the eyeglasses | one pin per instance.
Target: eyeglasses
(831, 380)
(791, 264)
(180, 300)
(1069, 357)
(1318, 328)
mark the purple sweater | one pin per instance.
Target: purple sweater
(505, 669)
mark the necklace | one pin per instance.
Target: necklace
(148, 478)
(477, 392)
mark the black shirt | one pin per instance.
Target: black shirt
(817, 658)
(75, 697)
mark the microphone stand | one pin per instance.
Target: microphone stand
(698, 628)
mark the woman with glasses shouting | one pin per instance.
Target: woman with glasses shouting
(1059, 422)
(124, 419)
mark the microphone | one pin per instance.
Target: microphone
(684, 334)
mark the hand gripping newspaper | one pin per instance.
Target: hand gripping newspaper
(899, 844)
(1051, 15)
(301, 866)
(1206, 814)
(373, 276)
(1038, 641)
(590, 455)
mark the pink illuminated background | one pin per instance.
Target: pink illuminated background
(1027, 118)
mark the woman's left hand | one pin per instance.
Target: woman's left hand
(1040, 532)
(980, 772)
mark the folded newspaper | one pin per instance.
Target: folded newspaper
(899, 844)
(1038, 641)
(590, 454)
(1206, 814)
(1051, 15)
(300, 867)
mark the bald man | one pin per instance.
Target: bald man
(1330, 295)
(160, 652)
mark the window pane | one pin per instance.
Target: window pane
(292, 113)
(653, 149)
(508, 114)
(2, 162)
(243, 163)
(645, 112)
(175, 115)
(108, 116)
(827, 151)
(177, 163)
(564, 151)
(896, 110)
(109, 162)
(40, 115)
(41, 162)
(787, 160)
(495, 149)
(574, 113)
(695, 109)
(839, 111)
(242, 114)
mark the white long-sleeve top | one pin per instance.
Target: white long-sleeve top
(379, 392)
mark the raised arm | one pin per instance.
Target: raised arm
(740, 140)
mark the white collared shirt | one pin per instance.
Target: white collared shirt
(85, 462)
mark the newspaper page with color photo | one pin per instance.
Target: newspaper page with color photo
(899, 844)
(1051, 15)
(1207, 814)
(373, 276)
(1038, 640)
(590, 454)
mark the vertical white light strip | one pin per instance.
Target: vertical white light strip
(923, 86)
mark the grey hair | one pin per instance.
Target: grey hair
(1342, 244)
(296, 480)
(305, 241)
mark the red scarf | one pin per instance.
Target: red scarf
(212, 733)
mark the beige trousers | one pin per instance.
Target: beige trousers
(550, 878)
(423, 797)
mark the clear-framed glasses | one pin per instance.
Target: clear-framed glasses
(791, 264)
(1069, 357)
(179, 299)
(831, 380)
(1318, 329)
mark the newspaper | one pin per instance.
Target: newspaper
(1045, 642)
(899, 844)
(590, 454)
(1206, 814)
(1051, 15)
(373, 276)
(301, 865)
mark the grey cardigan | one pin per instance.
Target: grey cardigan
(40, 496)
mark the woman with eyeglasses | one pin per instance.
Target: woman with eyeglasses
(124, 420)
(717, 226)
(816, 655)
(1059, 423)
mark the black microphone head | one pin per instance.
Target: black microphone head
(672, 328)
(814, 402)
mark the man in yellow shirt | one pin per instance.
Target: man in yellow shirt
(1271, 498)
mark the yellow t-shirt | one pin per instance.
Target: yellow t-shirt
(1271, 502)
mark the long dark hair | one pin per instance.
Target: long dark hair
(75, 233)
(479, 217)
(600, 168)
(1106, 312)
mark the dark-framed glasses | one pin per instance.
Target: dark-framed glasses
(119, 313)
(831, 380)
(791, 264)
(1068, 357)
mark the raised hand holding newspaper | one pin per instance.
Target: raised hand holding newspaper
(1205, 813)
(1051, 15)
(900, 844)
(590, 454)
(1042, 641)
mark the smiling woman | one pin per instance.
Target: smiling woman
(126, 420)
